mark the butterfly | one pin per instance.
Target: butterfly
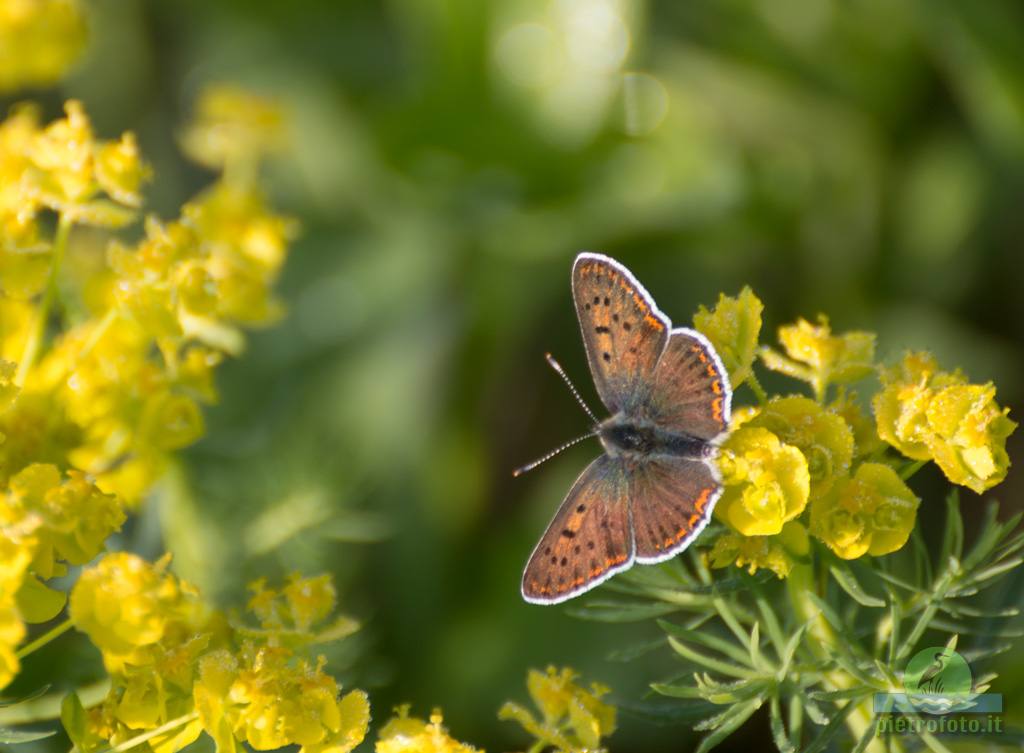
(652, 491)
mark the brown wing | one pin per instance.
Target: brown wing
(623, 331)
(589, 540)
(672, 499)
(691, 392)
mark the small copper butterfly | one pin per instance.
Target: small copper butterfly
(651, 492)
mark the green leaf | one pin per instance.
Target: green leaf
(16, 736)
(789, 651)
(72, 716)
(756, 660)
(635, 651)
(953, 534)
(707, 638)
(848, 582)
(676, 691)
(834, 726)
(779, 736)
(715, 665)
(865, 739)
(621, 611)
(730, 722)
(37, 602)
(38, 693)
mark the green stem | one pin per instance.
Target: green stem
(181, 721)
(756, 388)
(911, 468)
(38, 333)
(824, 643)
(45, 638)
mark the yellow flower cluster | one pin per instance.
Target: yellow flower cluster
(928, 414)
(176, 664)
(91, 411)
(571, 718)
(409, 734)
(794, 465)
(39, 41)
(46, 523)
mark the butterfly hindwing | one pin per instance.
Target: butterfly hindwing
(589, 539)
(623, 331)
(672, 500)
(690, 392)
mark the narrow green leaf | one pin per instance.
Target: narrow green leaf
(16, 736)
(756, 659)
(715, 665)
(621, 611)
(898, 582)
(840, 695)
(834, 727)
(994, 570)
(814, 712)
(953, 534)
(789, 651)
(738, 715)
(848, 582)
(72, 716)
(635, 651)
(865, 739)
(38, 693)
(990, 533)
(676, 691)
(707, 638)
(771, 623)
(779, 736)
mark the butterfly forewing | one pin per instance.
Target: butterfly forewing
(690, 393)
(672, 500)
(623, 331)
(589, 539)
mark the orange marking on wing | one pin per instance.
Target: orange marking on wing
(716, 387)
(716, 408)
(648, 319)
(702, 500)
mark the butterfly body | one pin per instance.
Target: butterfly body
(652, 490)
(636, 441)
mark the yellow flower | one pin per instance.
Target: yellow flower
(233, 126)
(15, 556)
(39, 41)
(776, 553)
(262, 699)
(816, 356)
(73, 517)
(865, 433)
(901, 407)
(301, 604)
(733, 327)
(408, 734)
(127, 607)
(246, 246)
(968, 435)
(572, 718)
(767, 483)
(928, 414)
(871, 513)
(822, 436)
(69, 168)
(120, 170)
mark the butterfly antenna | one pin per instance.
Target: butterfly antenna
(572, 388)
(530, 466)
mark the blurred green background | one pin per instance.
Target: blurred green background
(448, 159)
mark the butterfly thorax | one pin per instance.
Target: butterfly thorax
(623, 436)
